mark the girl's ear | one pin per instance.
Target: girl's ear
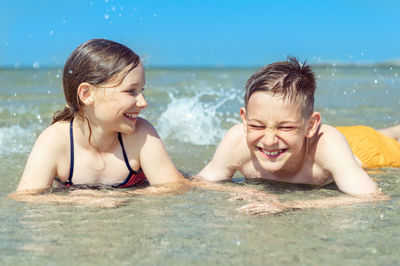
(85, 93)
(243, 116)
(313, 124)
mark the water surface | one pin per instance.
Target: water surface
(191, 109)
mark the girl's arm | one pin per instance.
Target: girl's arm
(154, 159)
(40, 168)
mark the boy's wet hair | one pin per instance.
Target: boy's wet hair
(96, 62)
(294, 81)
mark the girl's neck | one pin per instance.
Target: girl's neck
(95, 137)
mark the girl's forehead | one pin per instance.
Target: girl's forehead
(128, 76)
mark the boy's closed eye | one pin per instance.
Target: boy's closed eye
(287, 128)
(257, 127)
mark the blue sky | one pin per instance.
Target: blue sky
(203, 33)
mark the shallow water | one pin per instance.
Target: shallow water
(191, 109)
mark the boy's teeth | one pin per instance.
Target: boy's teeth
(131, 116)
(272, 153)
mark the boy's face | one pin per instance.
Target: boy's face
(275, 132)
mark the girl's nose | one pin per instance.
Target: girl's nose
(141, 101)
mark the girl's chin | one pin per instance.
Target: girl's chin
(128, 129)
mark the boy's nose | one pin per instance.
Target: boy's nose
(141, 101)
(270, 138)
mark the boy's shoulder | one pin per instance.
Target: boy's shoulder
(326, 141)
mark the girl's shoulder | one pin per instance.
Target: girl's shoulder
(143, 130)
(56, 135)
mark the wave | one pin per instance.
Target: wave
(191, 120)
(15, 139)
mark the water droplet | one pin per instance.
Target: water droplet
(36, 65)
(58, 76)
(70, 71)
(51, 32)
(106, 16)
(375, 81)
(113, 8)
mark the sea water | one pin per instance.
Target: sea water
(192, 109)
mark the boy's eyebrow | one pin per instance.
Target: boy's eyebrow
(280, 122)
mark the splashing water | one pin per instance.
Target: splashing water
(15, 139)
(190, 120)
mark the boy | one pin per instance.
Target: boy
(282, 138)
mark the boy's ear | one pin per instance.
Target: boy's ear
(85, 93)
(313, 124)
(243, 117)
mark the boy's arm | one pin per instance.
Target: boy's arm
(222, 165)
(334, 155)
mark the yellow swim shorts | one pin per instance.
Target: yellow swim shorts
(371, 147)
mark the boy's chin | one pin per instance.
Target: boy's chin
(273, 166)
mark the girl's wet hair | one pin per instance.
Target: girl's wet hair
(96, 62)
(294, 81)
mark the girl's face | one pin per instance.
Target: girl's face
(117, 107)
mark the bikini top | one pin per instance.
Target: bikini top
(134, 178)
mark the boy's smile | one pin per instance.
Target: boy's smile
(271, 154)
(275, 132)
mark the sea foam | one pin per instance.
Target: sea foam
(15, 139)
(191, 120)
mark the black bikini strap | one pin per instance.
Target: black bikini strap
(124, 153)
(71, 144)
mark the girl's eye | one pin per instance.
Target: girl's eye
(135, 92)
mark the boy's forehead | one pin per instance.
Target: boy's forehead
(275, 98)
(262, 102)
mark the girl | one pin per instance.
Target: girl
(99, 137)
